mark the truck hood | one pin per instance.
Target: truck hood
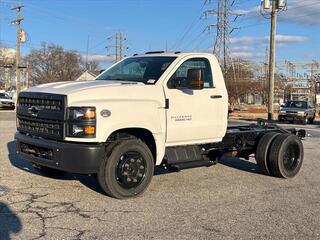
(78, 86)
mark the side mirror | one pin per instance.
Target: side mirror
(195, 79)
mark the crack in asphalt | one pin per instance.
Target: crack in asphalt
(35, 204)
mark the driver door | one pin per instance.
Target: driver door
(193, 116)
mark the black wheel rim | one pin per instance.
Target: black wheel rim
(131, 169)
(291, 157)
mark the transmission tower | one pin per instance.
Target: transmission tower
(223, 25)
(118, 46)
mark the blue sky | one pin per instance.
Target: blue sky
(151, 25)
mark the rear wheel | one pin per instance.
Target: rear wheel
(127, 170)
(262, 151)
(286, 156)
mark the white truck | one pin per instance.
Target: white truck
(167, 109)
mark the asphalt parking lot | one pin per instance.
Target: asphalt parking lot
(231, 200)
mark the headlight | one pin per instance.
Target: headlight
(82, 113)
(301, 113)
(81, 122)
(282, 111)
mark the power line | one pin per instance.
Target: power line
(180, 40)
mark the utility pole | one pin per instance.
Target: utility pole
(276, 6)
(272, 59)
(119, 45)
(28, 75)
(17, 63)
(266, 73)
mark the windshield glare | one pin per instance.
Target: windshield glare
(4, 96)
(296, 104)
(138, 69)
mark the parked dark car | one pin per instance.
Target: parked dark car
(301, 111)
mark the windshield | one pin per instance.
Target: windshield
(296, 104)
(138, 69)
(4, 96)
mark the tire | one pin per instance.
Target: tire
(311, 120)
(127, 169)
(47, 171)
(305, 121)
(286, 156)
(262, 151)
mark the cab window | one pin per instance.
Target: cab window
(181, 73)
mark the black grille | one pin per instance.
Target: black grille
(50, 104)
(41, 114)
(41, 126)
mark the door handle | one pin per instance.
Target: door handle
(216, 96)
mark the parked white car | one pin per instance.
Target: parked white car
(6, 101)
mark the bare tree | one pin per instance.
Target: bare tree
(51, 63)
(7, 72)
(91, 66)
(240, 80)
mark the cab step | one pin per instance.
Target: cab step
(192, 164)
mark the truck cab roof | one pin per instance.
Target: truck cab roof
(173, 54)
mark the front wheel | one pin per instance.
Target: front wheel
(127, 170)
(305, 121)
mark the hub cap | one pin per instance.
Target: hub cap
(131, 170)
(291, 157)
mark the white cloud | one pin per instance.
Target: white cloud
(246, 40)
(241, 48)
(99, 58)
(253, 47)
(242, 40)
(250, 54)
(255, 11)
(290, 38)
(305, 12)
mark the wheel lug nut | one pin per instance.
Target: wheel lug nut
(128, 179)
(131, 160)
(126, 165)
(135, 180)
(141, 167)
